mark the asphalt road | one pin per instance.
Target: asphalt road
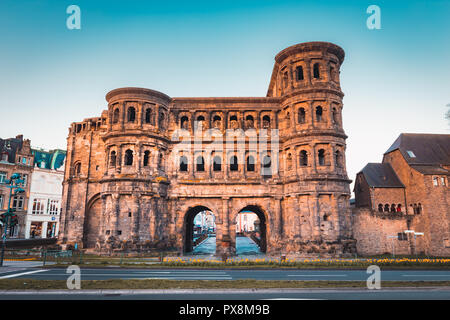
(296, 294)
(228, 274)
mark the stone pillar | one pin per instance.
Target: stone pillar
(123, 115)
(114, 214)
(315, 216)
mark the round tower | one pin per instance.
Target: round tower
(306, 79)
(134, 184)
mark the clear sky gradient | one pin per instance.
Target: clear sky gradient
(395, 80)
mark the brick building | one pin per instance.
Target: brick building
(407, 191)
(15, 157)
(137, 175)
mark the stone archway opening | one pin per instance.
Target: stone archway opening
(251, 231)
(200, 231)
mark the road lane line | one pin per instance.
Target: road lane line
(317, 275)
(21, 274)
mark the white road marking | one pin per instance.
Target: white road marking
(21, 274)
(425, 275)
(317, 275)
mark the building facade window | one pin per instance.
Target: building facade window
(316, 71)
(116, 115)
(131, 114)
(299, 73)
(217, 163)
(435, 181)
(183, 164)
(112, 159)
(319, 113)
(146, 158)
(148, 115)
(234, 164)
(250, 163)
(53, 207)
(1, 201)
(303, 158)
(3, 177)
(321, 155)
(128, 157)
(301, 115)
(17, 202)
(38, 206)
(200, 164)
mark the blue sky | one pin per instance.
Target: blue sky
(395, 80)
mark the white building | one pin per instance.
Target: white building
(245, 222)
(44, 207)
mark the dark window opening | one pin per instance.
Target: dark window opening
(148, 115)
(234, 164)
(321, 157)
(303, 158)
(112, 159)
(300, 73)
(183, 163)
(316, 71)
(217, 163)
(184, 122)
(200, 164)
(128, 158)
(146, 158)
(386, 208)
(131, 114)
(301, 115)
(266, 122)
(338, 158)
(116, 115)
(319, 112)
(250, 163)
(380, 208)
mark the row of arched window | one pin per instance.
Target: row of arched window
(233, 164)
(416, 208)
(301, 115)
(149, 116)
(321, 158)
(389, 208)
(233, 123)
(129, 158)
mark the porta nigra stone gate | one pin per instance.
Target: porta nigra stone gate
(136, 176)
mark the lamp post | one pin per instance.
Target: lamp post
(14, 184)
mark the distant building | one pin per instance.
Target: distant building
(44, 207)
(245, 222)
(408, 191)
(15, 157)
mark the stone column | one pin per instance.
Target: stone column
(135, 217)
(123, 115)
(315, 216)
(278, 219)
(114, 214)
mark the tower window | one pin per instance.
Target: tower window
(148, 115)
(338, 158)
(303, 158)
(319, 113)
(300, 73)
(116, 115)
(285, 79)
(112, 159)
(316, 71)
(128, 157)
(77, 169)
(301, 115)
(380, 208)
(146, 158)
(321, 157)
(131, 114)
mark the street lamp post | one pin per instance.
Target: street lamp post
(14, 185)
